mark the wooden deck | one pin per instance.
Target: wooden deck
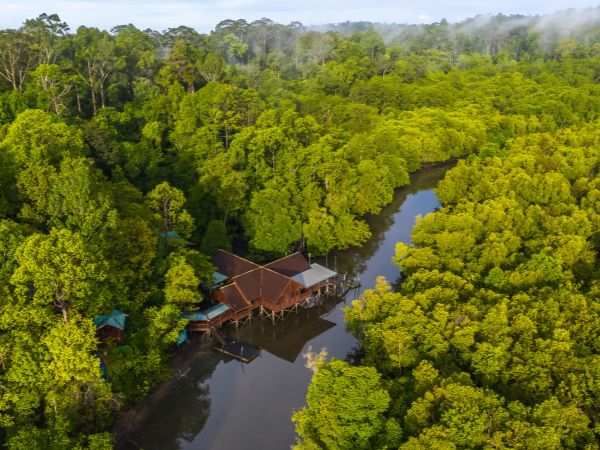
(239, 350)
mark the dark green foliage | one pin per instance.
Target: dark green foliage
(116, 148)
(215, 238)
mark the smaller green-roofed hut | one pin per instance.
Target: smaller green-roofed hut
(173, 235)
(110, 326)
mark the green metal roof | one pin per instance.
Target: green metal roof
(219, 277)
(115, 319)
(207, 314)
(183, 335)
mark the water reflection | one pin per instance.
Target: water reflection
(288, 338)
(222, 404)
(395, 221)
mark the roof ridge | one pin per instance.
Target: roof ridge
(239, 257)
(275, 272)
(284, 288)
(283, 257)
(241, 292)
(246, 273)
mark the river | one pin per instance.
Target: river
(221, 404)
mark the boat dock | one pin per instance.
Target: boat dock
(239, 350)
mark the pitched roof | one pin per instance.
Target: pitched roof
(207, 314)
(219, 278)
(232, 265)
(290, 265)
(233, 297)
(262, 282)
(115, 319)
(250, 283)
(314, 275)
(273, 285)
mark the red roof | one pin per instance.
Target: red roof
(233, 297)
(250, 282)
(273, 285)
(232, 265)
(263, 283)
(290, 265)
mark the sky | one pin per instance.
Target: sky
(203, 15)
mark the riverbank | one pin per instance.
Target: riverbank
(216, 403)
(179, 366)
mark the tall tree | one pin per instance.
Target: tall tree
(96, 59)
(346, 408)
(58, 270)
(166, 202)
(16, 58)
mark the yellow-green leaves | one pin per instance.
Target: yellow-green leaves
(345, 408)
(166, 202)
(273, 221)
(181, 283)
(58, 270)
(38, 138)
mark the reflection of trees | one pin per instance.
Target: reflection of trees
(287, 338)
(353, 261)
(185, 409)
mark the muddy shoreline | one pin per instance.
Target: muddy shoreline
(208, 401)
(179, 364)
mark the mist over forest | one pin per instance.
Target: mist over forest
(578, 24)
(129, 157)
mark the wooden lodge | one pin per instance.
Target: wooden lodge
(239, 306)
(242, 287)
(273, 288)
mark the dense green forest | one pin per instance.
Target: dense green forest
(117, 148)
(492, 339)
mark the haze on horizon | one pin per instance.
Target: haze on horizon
(203, 15)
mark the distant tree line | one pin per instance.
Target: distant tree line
(119, 149)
